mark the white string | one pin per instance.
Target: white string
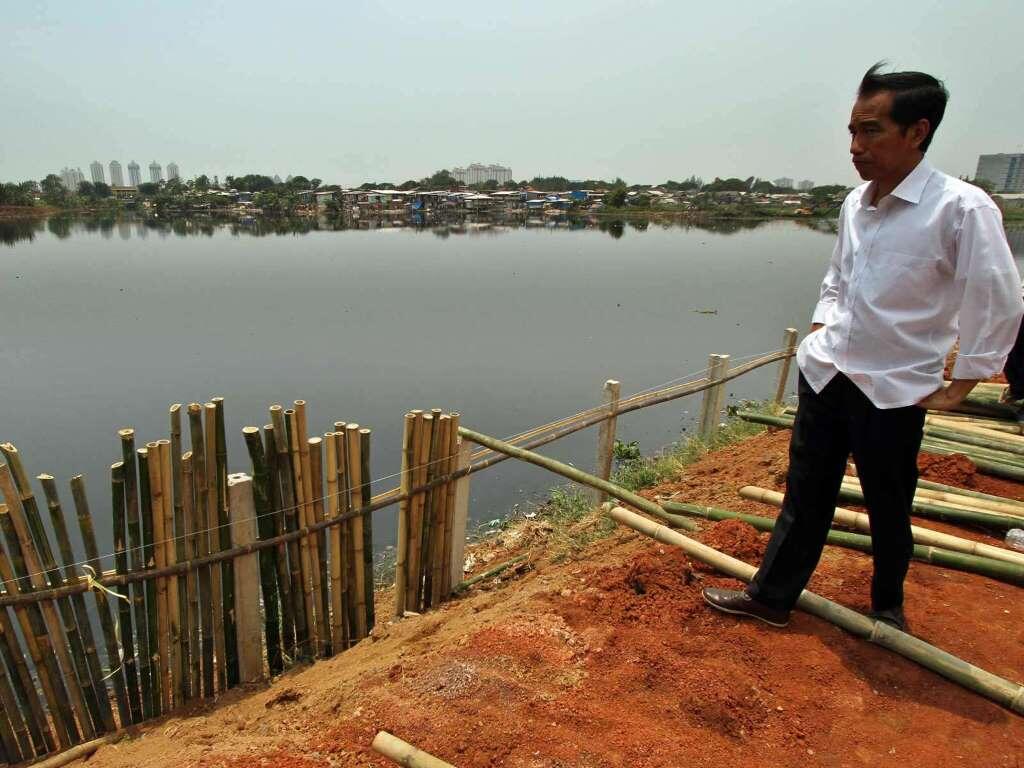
(680, 381)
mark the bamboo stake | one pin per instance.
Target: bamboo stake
(314, 459)
(267, 566)
(37, 546)
(789, 344)
(718, 367)
(460, 514)
(194, 674)
(439, 500)
(281, 550)
(606, 436)
(358, 586)
(421, 454)
(203, 514)
(1004, 692)
(402, 527)
(155, 465)
(24, 688)
(214, 514)
(33, 630)
(451, 464)
(405, 754)
(24, 552)
(367, 499)
(14, 737)
(249, 651)
(861, 522)
(139, 699)
(227, 566)
(302, 513)
(171, 535)
(152, 697)
(333, 543)
(183, 690)
(427, 548)
(290, 519)
(97, 697)
(341, 538)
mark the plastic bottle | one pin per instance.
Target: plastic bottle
(1015, 539)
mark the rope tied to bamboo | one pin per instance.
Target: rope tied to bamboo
(92, 583)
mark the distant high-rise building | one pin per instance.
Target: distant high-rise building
(805, 186)
(172, 171)
(277, 179)
(783, 182)
(72, 177)
(116, 178)
(96, 171)
(478, 174)
(156, 174)
(1005, 172)
(134, 174)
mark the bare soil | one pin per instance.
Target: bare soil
(612, 659)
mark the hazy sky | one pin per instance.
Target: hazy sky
(354, 91)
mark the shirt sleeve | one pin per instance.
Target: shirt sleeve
(991, 309)
(830, 285)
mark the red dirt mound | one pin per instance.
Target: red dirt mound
(955, 469)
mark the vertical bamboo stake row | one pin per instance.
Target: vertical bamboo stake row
(789, 344)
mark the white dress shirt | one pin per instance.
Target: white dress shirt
(929, 263)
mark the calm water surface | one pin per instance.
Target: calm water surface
(104, 325)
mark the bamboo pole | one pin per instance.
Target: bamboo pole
(421, 427)
(1001, 432)
(214, 514)
(422, 517)
(367, 518)
(996, 569)
(353, 452)
(966, 437)
(439, 499)
(309, 515)
(24, 709)
(97, 698)
(302, 514)
(993, 425)
(37, 548)
(155, 463)
(33, 630)
(200, 480)
(14, 736)
(314, 453)
(24, 552)
(227, 566)
(79, 751)
(275, 528)
(606, 437)
(940, 511)
(138, 698)
(195, 655)
(861, 522)
(183, 690)
(789, 344)
(967, 492)
(290, 520)
(451, 464)
(1003, 692)
(718, 367)
(460, 514)
(333, 508)
(342, 537)
(402, 526)
(405, 754)
(153, 696)
(249, 651)
(928, 496)
(171, 534)
(264, 512)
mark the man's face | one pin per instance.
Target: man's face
(879, 146)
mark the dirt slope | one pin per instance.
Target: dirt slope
(612, 660)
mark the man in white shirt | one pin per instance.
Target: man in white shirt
(920, 259)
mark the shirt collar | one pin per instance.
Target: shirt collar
(912, 186)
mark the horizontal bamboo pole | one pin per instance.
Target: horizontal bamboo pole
(404, 753)
(941, 511)
(928, 496)
(931, 484)
(1005, 432)
(860, 521)
(995, 425)
(993, 687)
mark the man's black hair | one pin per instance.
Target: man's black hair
(915, 95)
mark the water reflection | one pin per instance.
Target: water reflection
(129, 225)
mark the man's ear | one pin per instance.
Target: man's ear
(919, 131)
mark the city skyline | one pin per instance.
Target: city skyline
(657, 90)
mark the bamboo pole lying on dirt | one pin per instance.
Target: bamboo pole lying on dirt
(1011, 573)
(860, 521)
(944, 512)
(404, 753)
(928, 496)
(993, 687)
(80, 751)
(969, 493)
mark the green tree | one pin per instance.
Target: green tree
(202, 183)
(616, 196)
(101, 189)
(440, 180)
(148, 188)
(53, 190)
(984, 184)
(407, 185)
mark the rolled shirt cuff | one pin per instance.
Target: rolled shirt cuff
(977, 366)
(821, 312)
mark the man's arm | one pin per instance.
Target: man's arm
(991, 307)
(830, 285)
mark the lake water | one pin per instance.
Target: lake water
(107, 323)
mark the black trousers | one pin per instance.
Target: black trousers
(829, 426)
(1014, 368)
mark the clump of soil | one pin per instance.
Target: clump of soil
(736, 538)
(955, 469)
